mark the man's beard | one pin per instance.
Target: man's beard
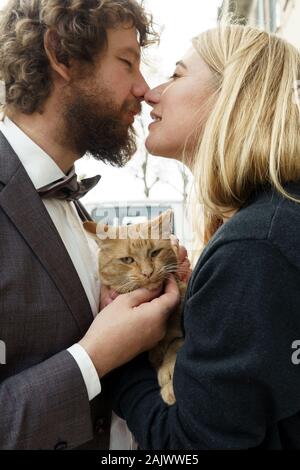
(93, 125)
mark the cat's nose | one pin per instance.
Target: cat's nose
(147, 273)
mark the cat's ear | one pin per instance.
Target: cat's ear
(91, 228)
(162, 225)
(98, 232)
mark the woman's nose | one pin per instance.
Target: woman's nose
(152, 97)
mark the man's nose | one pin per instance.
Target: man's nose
(140, 89)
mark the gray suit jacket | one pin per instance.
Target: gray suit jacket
(43, 310)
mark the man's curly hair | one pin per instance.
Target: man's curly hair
(80, 27)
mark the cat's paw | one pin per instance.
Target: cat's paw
(165, 374)
(167, 394)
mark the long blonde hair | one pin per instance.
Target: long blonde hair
(252, 136)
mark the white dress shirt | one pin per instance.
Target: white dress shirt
(83, 251)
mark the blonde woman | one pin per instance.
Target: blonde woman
(231, 112)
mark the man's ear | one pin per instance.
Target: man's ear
(52, 48)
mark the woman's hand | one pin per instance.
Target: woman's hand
(184, 266)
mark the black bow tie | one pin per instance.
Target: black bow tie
(69, 188)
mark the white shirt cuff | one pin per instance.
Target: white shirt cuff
(88, 370)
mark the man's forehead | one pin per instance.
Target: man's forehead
(124, 39)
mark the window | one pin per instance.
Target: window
(268, 14)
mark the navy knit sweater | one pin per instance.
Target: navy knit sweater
(237, 377)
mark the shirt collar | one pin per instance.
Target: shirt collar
(40, 167)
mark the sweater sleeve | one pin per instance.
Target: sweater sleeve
(234, 375)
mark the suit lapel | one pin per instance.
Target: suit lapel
(25, 209)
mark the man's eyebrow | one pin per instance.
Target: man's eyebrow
(130, 50)
(182, 64)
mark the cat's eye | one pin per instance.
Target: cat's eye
(155, 253)
(127, 260)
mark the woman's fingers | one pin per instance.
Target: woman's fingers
(184, 268)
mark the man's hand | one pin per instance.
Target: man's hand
(107, 296)
(131, 324)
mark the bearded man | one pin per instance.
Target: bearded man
(73, 85)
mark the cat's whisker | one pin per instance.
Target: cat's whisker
(176, 267)
(170, 266)
(127, 287)
(183, 270)
(169, 270)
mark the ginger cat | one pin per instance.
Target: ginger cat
(137, 256)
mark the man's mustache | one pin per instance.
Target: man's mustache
(135, 108)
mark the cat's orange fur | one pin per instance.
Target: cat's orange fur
(142, 256)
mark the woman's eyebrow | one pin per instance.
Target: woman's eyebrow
(182, 64)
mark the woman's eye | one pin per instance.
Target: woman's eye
(174, 76)
(127, 260)
(155, 253)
